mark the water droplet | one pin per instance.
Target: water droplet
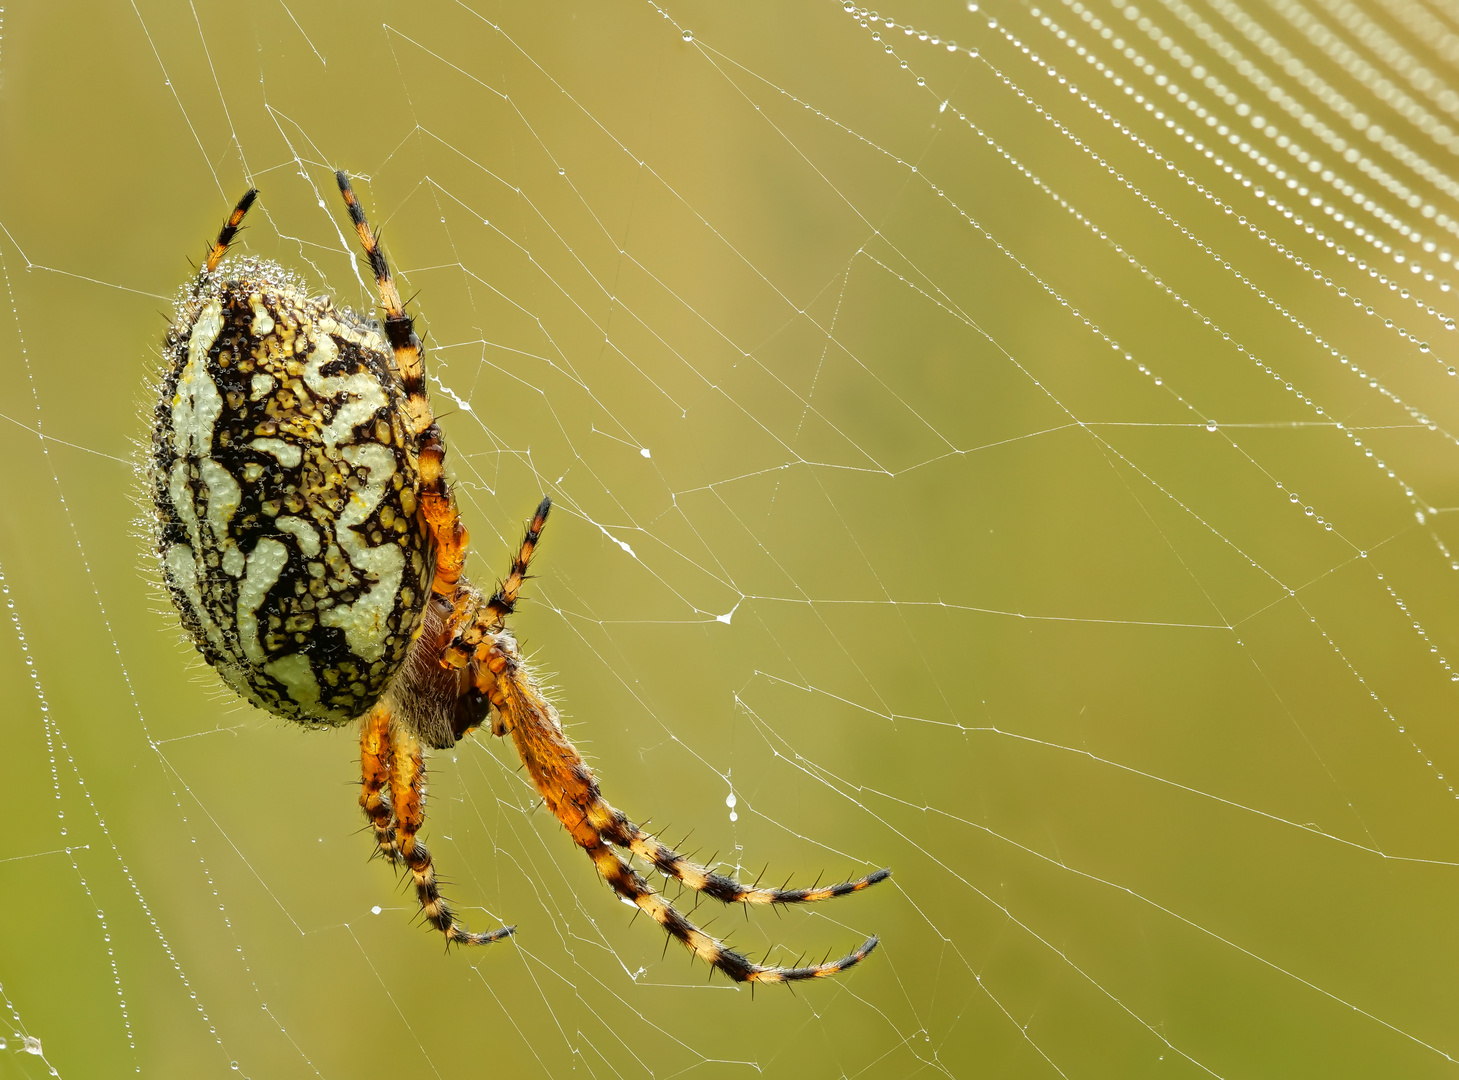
(375, 910)
(730, 800)
(1210, 425)
(688, 35)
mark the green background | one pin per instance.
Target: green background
(917, 567)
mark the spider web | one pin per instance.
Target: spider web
(1010, 443)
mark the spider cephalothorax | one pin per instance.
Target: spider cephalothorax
(312, 547)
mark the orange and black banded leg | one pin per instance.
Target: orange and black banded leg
(630, 885)
(475, 621)
(613, 826)
(407, 793)
(569, 789)
(409, 356)
(438, 512)
(375, 756)
(229, 230)
(504, 601)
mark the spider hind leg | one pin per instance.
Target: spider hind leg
(219, 247)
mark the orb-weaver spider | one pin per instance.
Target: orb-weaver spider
(314, 550)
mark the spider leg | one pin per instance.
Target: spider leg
(613, 825)
(617, 828)
(504, 601)
(375, 758)
(488, 617)
(229, 230)
(437, 511)
(407, 791)
(569, 789)
(399, 328)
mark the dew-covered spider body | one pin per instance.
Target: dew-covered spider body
(314, 551)
(286, 483)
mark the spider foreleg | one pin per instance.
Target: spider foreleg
(500, 657)
(407, 790)
(568, 787)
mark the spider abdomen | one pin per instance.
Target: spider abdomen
(285, 478)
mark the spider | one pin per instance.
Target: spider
(314, 551)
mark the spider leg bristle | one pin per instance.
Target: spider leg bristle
(817, 883)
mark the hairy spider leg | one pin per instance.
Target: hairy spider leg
(504, 601)
(399, 327)
(228, 231)
(438, 512)
(614, 826)
(375, 757)
(407, 795)
(476, 621)
(569, 789)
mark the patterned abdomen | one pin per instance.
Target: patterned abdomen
(285, 481)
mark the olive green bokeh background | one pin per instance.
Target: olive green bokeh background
(916, 566)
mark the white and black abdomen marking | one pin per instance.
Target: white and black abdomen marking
(285, 479)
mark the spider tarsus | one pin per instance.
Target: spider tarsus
(229, 231)
(342, 178)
